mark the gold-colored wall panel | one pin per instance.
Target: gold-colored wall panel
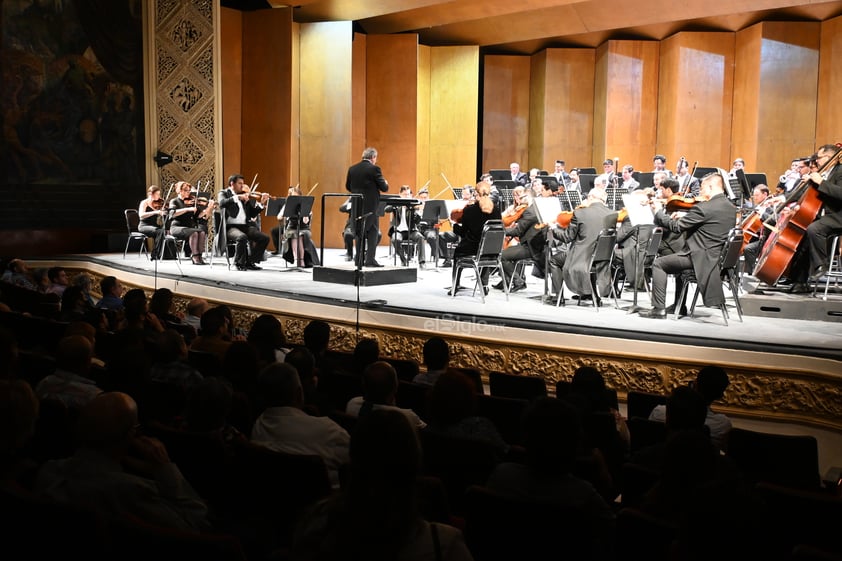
(424, 118)
(567, 121)
(505, 112)
(625, 108)
(537, 111)
(829, 119)
(744, 123)
(454, 102)
(358, 103)
(695, 99)
(231, 79)
(325, 90)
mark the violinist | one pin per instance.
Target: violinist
(152, 214)
(437, 239)
(687, 184)
(629, 183)
(531, 246)
(559, 172)
(706, 225)
(186, 213)
(469, 230)
(829, 185)
(659, 163)
(573, 183)
(514, 211)
(241, 211)
(573, 266)
(298, 245)
(627, 242)
(405, 227)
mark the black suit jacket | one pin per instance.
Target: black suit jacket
(367, 179)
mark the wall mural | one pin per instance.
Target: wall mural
(71, 92)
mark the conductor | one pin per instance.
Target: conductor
(366, 178)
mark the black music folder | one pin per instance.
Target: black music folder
(298, 206)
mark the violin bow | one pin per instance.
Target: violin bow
(441, 192)
(313, 188)
(448, 184)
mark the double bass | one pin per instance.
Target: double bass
(782, 244)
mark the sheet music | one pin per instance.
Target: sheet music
(638, 213)
(453, 205)
(548, 208)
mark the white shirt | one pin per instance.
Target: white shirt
(291, 430)
(355, 403)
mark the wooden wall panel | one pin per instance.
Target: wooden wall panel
(695, 94)
(358, 105)
(625, 111)
(829, 122)
(567, 126)
(454, 104)
(424, 118)
(537, 112)
(267, 99)
(391, 105)
(325, 90)
(295, 104)
(505, 111)
(781, 64)
(231, 80)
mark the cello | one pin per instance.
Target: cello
(782, 244)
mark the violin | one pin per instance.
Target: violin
(515, 215)
(456, 215)
(157, 204)
(678, 203)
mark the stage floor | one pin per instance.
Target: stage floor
(425, 302)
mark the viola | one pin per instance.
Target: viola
(564, 217)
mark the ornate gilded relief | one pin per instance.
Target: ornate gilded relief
(184, 90)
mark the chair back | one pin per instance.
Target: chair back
(515, 385)
(604, 249)
(491, 242)
(783, 459)
(730, 256)
(132, 220)
(641, 404)
(654, 245)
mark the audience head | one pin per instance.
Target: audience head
(197, 307)
(588, 384)
(110, 286)
(366, 351)
(279, 386)
(57, 275)
(711, 383)
(161, 302)
(380, 383)
(74, 354)
(83, 281)
(452, 398)
(436, 353)
(107, 424)
(317, 336)
(135, 304)
(73, 300)
(552, 434)
(267, 333)
(686, 410)
(213, 322)
(302, 359)
(170, 346)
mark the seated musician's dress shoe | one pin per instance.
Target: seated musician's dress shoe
(241, 267)
(517, 286)
(537, 273)
(348, 257)
(654, 313)
(422, 265)
(253, 267)
(799, 288)
(373, 264)
(820, 271)
(681, 311)
(199, 261)
(498, 286)
(447, 263)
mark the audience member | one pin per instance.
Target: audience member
(285, 427)
(161, 304)
(18, 414)
(302, 359)
(552, 437)
(267, 336)
(121, 473)
(366, 351)
(436, 359)
(84, 281)
(240, 367)
(196, 307)
(376, 516)
(170, 364)
(317, 339)
(453, 404)
(208, 408)
(17, 272)
(380, 387)
(213, 333)
(58, 279)
(112, 294)
(70, 383)
(711, 383)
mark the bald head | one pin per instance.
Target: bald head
(107, 422)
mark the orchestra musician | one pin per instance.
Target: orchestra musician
(242, 208)
(829, 186)
(763, 206)
(349, 233)
(706, 225)
(405, 227)
(659, 161)
(469, 229)
(437, 239)
(152, 215)
(559, 172)
(189, 220)
(518, 176)
(298, 245)
(573, 266)
(531, 246)
(629, 183)
(687, 184)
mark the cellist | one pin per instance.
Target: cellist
(763, 210)
(829, 185)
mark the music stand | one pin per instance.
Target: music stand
(642, 220)
(274, 207)
(500, 174)
(434, 211)
(586, 181)
(549, 180)
(570, 199)
(646, 179)
(588, 171)
(297, 207)
(615, 197)
(701, 172)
